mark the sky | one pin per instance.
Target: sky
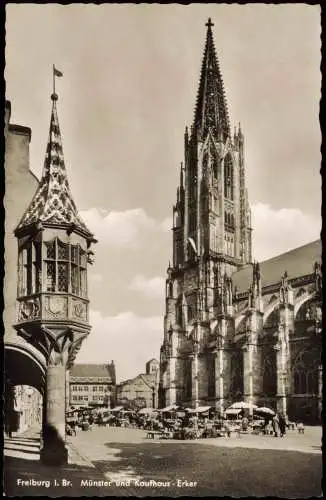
(130, 78)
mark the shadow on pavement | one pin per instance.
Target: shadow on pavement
(30, 450)
(218, 471)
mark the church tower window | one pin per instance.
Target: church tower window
(305, 376)
(228, 178)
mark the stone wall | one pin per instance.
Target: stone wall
(20, 186)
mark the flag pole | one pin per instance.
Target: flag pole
(53, 79)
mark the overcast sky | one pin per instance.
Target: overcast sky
(130, 80)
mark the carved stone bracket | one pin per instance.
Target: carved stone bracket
(57, 346)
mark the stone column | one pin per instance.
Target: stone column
(54, 451)
(248, 350)
(67, 391)
(281, 377)
(172, 382)
(219, 379)
(320, 392)
(194, 379)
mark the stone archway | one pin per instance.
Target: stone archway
(24, 389)
(31, 371)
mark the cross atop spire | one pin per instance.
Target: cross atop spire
(53, 202)
(211, 109)
(209, 23)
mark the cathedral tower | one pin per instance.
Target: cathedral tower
(211, 234)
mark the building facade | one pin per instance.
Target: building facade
(92, 385)
(234, 329)
(49, 321)
(21, 184)
(141, 391)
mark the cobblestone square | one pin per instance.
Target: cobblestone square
(122, 462)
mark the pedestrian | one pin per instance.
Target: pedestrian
(275, 425)
(266, 425)
(245, 424)
(282, 424)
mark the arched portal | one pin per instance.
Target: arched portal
(24, 388)
(23, 368)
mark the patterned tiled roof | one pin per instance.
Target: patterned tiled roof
(297, 262)
(53, 202)
(93, 371)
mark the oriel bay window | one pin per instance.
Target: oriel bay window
(65, 268)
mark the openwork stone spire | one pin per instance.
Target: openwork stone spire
(53, 202)
(211, 109)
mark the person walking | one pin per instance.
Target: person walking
(282, 424)
(275, 424)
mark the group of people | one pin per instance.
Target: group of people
(187, 422)
(279, 425)
(84, 422)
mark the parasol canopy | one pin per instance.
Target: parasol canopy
(147, 411)
(117, 408)
(242, 405)
(169, 408)
(232, 411)
(265, 410)
(200, 409)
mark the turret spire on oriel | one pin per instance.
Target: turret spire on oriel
(211, 108)
(53, 202)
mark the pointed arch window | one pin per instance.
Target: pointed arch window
(228, 178)
(305, 373)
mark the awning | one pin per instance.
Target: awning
(201, 409)
(243, 405)
(232, 411)
(145, 411)
(117, 408)
(264, 410)
(169, 408)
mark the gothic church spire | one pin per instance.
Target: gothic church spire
(211, 109)
(53, 202)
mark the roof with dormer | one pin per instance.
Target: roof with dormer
(211, 107)
(53, 202)
(296, 262)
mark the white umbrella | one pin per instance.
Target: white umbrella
(146, 411)
(242, 405)
(264, 409)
